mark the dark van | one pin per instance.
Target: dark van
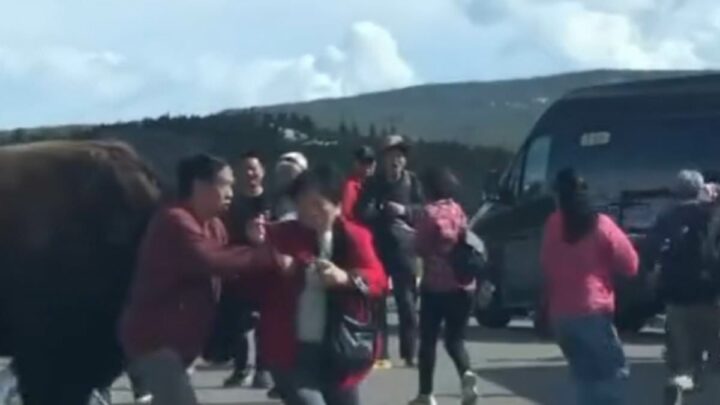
(629, 141)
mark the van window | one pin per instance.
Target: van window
(642, 155)
(511, 179)
(535, 174)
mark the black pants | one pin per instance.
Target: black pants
(453, 309)
(230, 339)
(310, 384)
(241, 355)
(405, 294)
(379, 315)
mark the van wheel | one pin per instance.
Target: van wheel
(493, 318)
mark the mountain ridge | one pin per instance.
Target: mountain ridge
(489, 113)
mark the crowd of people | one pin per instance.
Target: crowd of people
(308, 264)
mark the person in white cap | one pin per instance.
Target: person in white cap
(289, 166)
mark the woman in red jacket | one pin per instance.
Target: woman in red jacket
(334, 258)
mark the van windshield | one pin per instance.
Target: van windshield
(639, 158)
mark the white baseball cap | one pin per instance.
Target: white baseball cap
(296, 158)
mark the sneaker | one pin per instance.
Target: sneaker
(262, 380)
(424, 400)
(237, 379)
(143, 399)
(684, 382)
(470, 392)
(383, 364)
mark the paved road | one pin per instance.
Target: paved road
(516, 369)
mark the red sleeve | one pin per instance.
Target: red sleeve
(621, 253)
(211, 255)
(366, 263)
(350, 195)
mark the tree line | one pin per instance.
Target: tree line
(163, 140)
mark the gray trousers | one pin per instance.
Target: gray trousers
(692, 330)
(164, 376)
(310, 384)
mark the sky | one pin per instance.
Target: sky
(86, 61)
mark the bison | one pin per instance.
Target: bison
(71, 218)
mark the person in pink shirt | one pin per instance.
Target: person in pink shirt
(445, 298)
(582, 253)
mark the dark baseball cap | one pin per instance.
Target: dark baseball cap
(364, 154)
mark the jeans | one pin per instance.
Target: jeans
(452, 309)
(596, 358)
(164, 376)
(309, 383)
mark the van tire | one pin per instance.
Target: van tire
(493, 317)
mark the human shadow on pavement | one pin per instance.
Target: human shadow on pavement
(551, 385)
(524, 335)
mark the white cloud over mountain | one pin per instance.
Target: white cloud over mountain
(90, 61)
(87, 85)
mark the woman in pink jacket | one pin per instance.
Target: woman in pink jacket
(582, 253)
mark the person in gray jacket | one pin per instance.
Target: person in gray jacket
(387, 205)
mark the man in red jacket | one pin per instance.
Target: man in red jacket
(363, 168)
(172, 301)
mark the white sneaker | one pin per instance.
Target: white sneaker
(144, 400)
(424, 400)
(684, 382)
(470, 392)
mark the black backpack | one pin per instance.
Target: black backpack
(688, 274)
(468, 257)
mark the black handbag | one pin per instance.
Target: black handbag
(350, 343)
(468, 257)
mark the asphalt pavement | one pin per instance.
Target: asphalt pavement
(514, 366)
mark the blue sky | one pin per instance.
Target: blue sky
(82, 61)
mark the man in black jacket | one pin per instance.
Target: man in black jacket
(387, 205)
(689, 282)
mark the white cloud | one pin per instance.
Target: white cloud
(641, 34)
(93, 81)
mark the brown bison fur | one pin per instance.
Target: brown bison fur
(71, 218)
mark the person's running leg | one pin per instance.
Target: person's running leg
(681, 351)
(164, 375)
(430, 323)
(241, 365)
(380, 317)
(456, 313)
(404, 291)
